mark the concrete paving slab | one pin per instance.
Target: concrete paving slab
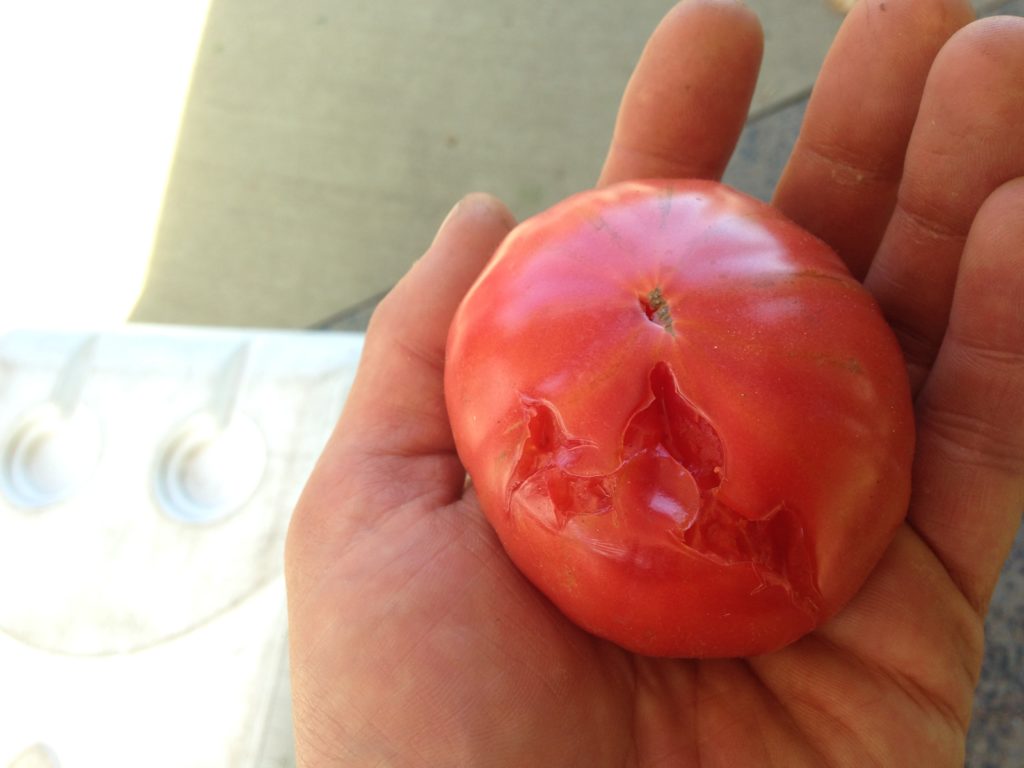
(321, 147)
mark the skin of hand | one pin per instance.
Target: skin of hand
(414, 640)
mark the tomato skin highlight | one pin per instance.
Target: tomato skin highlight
(689, 426)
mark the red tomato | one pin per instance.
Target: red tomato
(689, 425)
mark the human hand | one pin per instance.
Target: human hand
(415, 641)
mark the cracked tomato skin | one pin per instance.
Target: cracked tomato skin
(689, 426)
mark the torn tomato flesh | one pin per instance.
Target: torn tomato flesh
(671, 463)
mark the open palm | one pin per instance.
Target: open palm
(416, 642)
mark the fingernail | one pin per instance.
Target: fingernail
(491, 206)
(479, 203)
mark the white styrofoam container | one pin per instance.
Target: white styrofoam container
(141, 625)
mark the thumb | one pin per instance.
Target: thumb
(392, 443)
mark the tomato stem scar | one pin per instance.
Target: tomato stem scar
(657, 309)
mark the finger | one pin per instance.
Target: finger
(841, 179)
(966, 142)
(393, 441)
(397, 404)
(969, 468)
(684, 107)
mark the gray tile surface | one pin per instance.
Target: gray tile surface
(996, 738)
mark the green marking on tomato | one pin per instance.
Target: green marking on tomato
(658, 311)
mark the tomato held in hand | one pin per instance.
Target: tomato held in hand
(690, 427)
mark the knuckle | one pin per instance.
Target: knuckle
(981, 440)
(846, 165)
